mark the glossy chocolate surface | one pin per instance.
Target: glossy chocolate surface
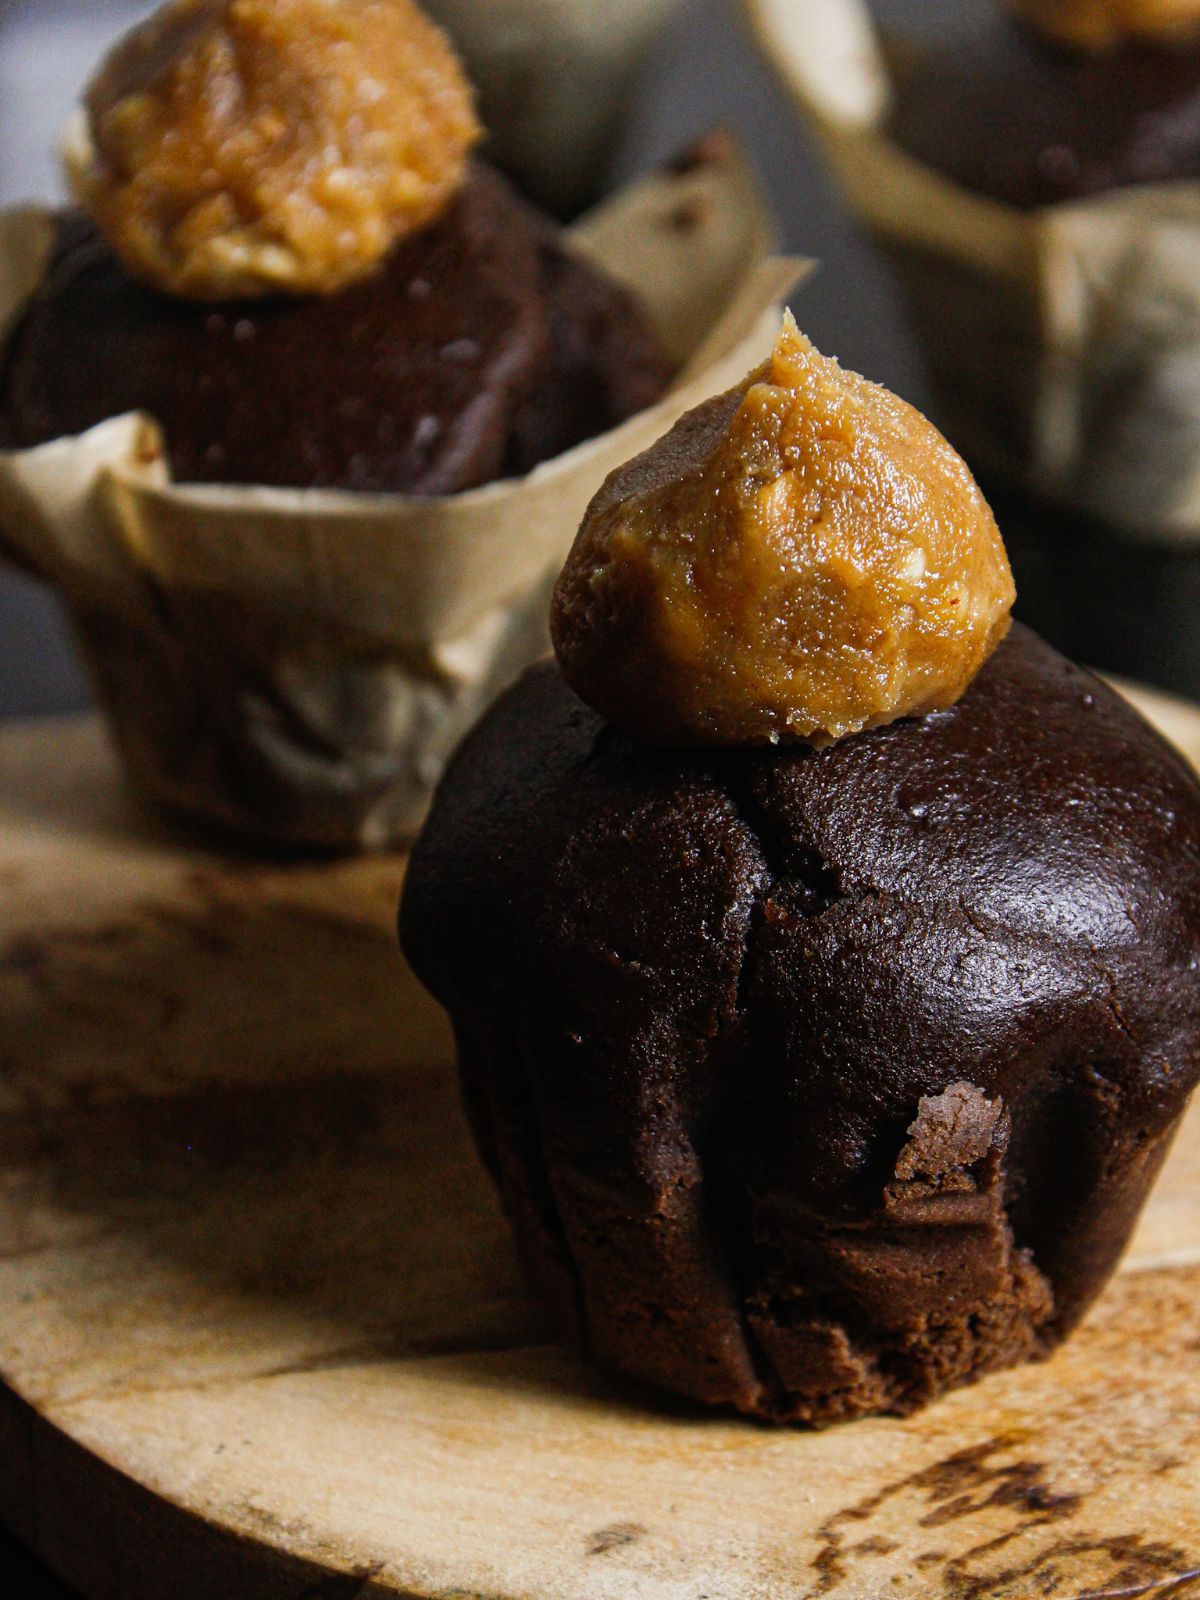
(817, 1082)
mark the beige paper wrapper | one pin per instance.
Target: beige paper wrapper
(297, 664)
(554, 78)
(1064, 343)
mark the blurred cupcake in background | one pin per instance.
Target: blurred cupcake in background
(301, 407)
(1032, 172)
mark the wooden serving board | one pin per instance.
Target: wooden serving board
(262, 1334)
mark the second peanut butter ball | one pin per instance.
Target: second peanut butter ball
(290, 260)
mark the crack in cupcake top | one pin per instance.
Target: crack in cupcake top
(246, 147)
(800, 558)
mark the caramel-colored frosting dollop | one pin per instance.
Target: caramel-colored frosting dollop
(1105, 24)
(246, 147)
(798, 559)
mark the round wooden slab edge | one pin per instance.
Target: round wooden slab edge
(263, 1334)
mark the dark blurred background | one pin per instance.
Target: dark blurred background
(704, 71)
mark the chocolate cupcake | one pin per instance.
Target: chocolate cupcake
(393, 344)
(300, 412)
(825, 1001)
(431, 377)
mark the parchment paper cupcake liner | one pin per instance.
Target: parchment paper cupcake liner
(297, 664)
(554, 78)
(1064, 343)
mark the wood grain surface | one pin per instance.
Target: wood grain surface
(262, 1333)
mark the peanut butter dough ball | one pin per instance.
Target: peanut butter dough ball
(1104, 24)
(242, 147)
(800, 558)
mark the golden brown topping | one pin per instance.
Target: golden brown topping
(242, 147)
(800, 558)
(1103, 24)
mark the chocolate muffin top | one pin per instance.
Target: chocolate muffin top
(429, 378)
(701, 995)
(1031, 122)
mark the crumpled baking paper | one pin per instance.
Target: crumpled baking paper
(296, 665)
